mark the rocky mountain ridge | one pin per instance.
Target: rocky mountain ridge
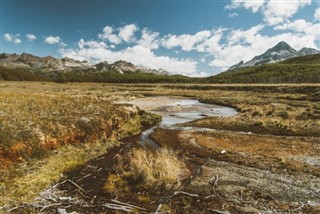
(50, 64)
(278, 53)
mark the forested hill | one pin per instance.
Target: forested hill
(304, 69)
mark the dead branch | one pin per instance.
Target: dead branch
(130, 205)
(76, 185)
(50, 205)
(118, 207)
(84, 177)
(217, 211)
(176, 193)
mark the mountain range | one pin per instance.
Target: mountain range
(282, 51)
(279, 64)
(52, 65)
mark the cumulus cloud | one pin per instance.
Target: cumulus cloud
(219, 48)
(108, 35)
(273, 11)
(149, 39)
(187, 42)
(254, 6)
(126, 33)
(245, 44)
(95, 51)
(302, 26)
(52, 40)
(317, 14)
(232, 15)
(119, 35)
(31, 37)
(12, 38)
(277, 12)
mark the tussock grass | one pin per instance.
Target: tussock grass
(161, 168)
(141, 169)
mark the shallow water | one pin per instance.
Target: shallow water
(190, 110)
(182, 111)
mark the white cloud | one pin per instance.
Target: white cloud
(126, 33)
(107, 35)
(244, 36)
(277, 11)
(52, 40)
(245, 44)
(273, 11)
(317, 14)
(94, 51)
(31, 37)
(12, 38)
(187, 42)
(91, 44)
(232, 15)
(254, 6)
(219, 48)
(302, 26)
(8, 37)
(211, 45)
(122, 34)
(149, 39)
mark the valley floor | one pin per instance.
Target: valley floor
(264, 159)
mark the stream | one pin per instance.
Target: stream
(176, 111)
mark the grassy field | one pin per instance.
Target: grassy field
(44, 124)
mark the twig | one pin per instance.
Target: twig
(118, 207)
(130, 205)
(184, 193)
(76, 185)
(218, 211)
(50, 205)
(158, 209)
(84, 177)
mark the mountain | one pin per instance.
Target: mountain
(50, 64)
(302, 69)
(278, 53)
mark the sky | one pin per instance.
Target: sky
(188, 37)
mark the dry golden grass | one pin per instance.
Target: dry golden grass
(33, 124)
(161, 168)
(39, 174)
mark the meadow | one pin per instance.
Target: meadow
(52, 130)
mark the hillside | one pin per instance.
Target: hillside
(12, 74)
(304, 69)
(280, 52)
(50, 66)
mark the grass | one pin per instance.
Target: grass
(162, 168)
(39, 174)
(43, 125)
(142, 170)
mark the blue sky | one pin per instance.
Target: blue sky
(194, 38)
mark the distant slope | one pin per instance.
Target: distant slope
(50, 65)
(305, 69)
(10, 74)
(278, 53)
